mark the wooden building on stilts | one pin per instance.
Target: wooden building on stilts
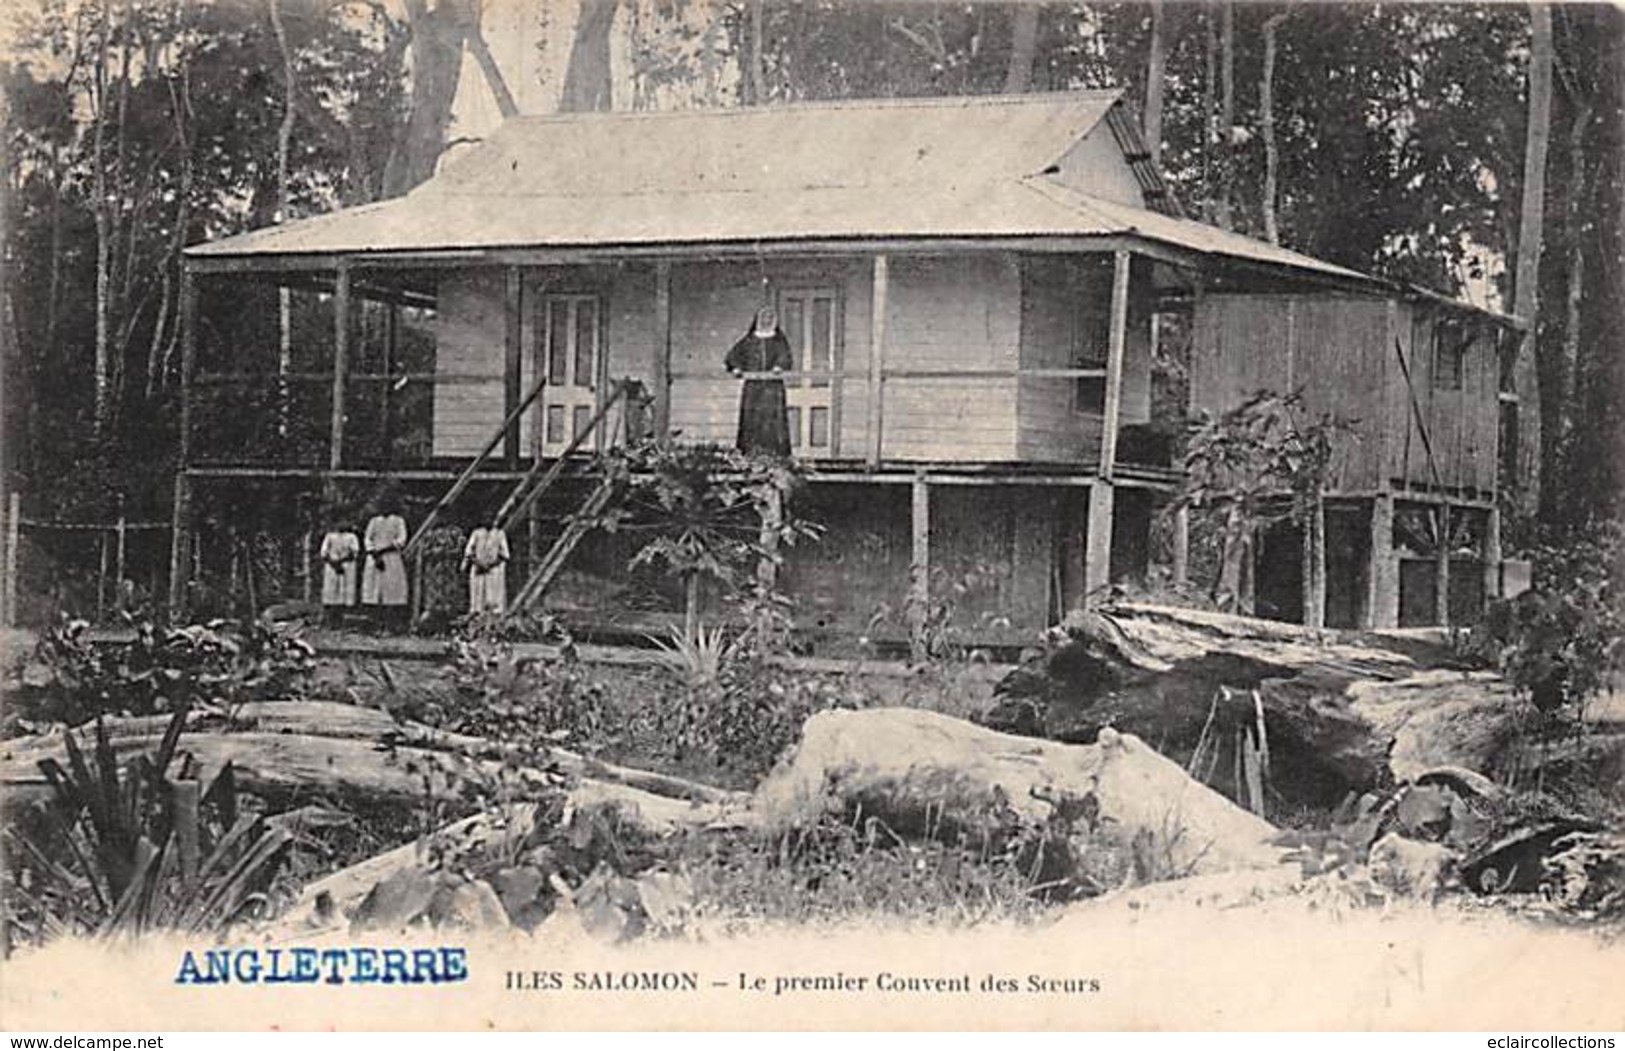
(972, 289)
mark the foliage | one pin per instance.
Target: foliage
(1258, 463)
(708, 513)
(137, 849)
(203, 667)
(529, 703)
(1560, 643)
(734, 722)
(1586, 873)
(843, 870)
(132, 131)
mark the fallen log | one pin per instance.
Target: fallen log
(1343, 712)
(373, 731)
(288, 769)
(925, 773)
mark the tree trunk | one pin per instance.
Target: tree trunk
(437, 63)
(1564, 367)
(1209, 113)
(1526, 282)
(1154, 76)
(284, 144)
(587, 83)
(1266, 119)
(754, 76)
(1227, 111)
(103, 377)
(492, 73)
(1018, 75)
(1314, 566)
(691, 606)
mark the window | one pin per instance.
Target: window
(1508, 440)
(1451, 341)
(1091, 345)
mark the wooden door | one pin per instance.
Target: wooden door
(811, 321)
(570, 351)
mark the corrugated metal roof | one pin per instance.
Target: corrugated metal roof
(961, 167)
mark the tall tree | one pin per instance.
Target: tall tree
(438, 35)
(1266, 121)
(1155, 74)
(587, 78)
(1526, 282)
(1227, 111)
(1023, 45)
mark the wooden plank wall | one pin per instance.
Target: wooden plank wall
(1053, 290)
(1463, 425)
(944, 314)
(468, 342)
(1331, 348)
(949, 313)
(1096, 166)
(1338, 361)
(992, 555)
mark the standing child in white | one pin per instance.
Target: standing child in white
(486, 560)
(340, 553)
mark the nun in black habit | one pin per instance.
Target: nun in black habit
(763, 422)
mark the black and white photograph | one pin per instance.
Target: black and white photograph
(812, 514)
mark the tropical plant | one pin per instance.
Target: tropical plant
(697, 659)
(143, 847)
(1263, 461)
(709, 513)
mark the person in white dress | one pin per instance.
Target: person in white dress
(341, 556)
(383, 574)
(486, 560)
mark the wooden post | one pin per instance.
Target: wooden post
(341, 364)
(14, 536)
(877, 358)
(512, 350)
(1097, 555)
(1097, 552)
(1441, 589)
(1314, 567)
(386, 436)
(307, 560)
(919, 567)
(121, 533)
(1492, 555)
(767, 566)
(180, 509)
(662, 363)
(1115, 351)
(1182, 546)
(1382, 576)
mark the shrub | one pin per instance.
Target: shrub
(139, 848)
(213, 666)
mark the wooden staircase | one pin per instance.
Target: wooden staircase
(531, 488)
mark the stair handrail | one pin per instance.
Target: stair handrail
(525, 493)
(467, 475)
(545, 572)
